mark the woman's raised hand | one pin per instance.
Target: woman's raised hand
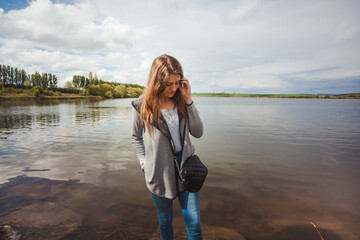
(186, 90)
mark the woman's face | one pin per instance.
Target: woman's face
(171, 85)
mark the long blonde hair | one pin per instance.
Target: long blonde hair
(162, 67)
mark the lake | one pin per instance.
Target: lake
(275, 165)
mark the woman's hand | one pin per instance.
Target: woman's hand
(186, 90)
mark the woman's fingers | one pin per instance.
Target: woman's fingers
(186, 90)
(186, 83)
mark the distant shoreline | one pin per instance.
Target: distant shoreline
(68, 96)
(25, 97)
(321, 96)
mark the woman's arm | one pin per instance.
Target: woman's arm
(137, 139)
(195, 124)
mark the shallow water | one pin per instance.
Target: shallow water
(275, 165)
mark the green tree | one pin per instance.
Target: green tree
(8, 74)
(91, 78)
(133, 92)
(82, 81)
(54, 81)
(3, 74)
(94, 90)
(49, 79)
(37, 91)
(87, 82)
(48, 92)
(44, 80)
(76, 81)
(36, 79)
(27, 83)
(11, 74)
(16, 76)
(109, 94)
(120, 91)
(105, 88)
(23, 77)
(96, 80)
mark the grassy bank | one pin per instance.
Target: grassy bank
(93, 92)
(63, 96)
(339, 96)
(33, 94)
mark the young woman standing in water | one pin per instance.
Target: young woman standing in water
(166, 110)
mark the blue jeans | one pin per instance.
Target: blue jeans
(190, 207)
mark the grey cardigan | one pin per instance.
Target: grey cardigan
(155, 154)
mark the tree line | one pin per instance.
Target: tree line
(10, 76)
(92, 85)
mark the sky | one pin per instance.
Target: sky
(247, 46)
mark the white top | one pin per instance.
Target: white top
(172, 119)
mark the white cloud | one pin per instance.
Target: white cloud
(68, 39)
(247, 46)
(68, 27)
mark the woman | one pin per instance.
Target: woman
(166, 110)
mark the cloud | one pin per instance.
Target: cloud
(296, 76)
(68, 27)
(68, 39)
(251, 46)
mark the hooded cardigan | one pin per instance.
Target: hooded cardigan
(155, 154)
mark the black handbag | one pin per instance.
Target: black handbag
(193, 172)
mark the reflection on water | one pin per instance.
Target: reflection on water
(75, 140)
(275, 165)
(15, 122)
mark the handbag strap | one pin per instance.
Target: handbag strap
(172, 146)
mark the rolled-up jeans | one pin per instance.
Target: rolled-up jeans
(190, 207)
